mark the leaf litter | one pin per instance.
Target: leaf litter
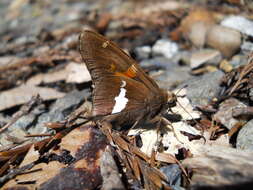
(73, 151)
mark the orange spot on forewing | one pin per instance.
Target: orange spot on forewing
(131, 72)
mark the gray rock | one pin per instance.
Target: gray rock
(60, 109)
(21, 127)
(27, 121)
(170, 79)
(165, 47)
(170, 75)
(247, 47)
(201, 90)
(183, 57)
(245, 137)
(225, 113)
(239, 23)
(205, 56)
(172, 173)
(69, 102)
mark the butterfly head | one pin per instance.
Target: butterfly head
(172, 99)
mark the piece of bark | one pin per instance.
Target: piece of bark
(74, 165)
(109, 172)
(217, 166)
(237, 112)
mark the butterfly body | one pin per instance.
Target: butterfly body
(123, 93)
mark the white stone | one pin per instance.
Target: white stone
(143, 52)
(239, 23)
(247, 46)
(165, 47)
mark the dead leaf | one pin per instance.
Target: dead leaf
(72, 73)
(24, 93)
(77, 73)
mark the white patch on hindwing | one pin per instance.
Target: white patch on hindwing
(120, 100)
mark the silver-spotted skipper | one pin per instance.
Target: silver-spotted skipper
(123, 93)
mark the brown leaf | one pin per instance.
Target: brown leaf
(153, 178)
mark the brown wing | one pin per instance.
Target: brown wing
(122, 92)
(109, 66)
(105, 58)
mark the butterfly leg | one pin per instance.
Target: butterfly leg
(170, 126)
(136, 123)
(157, 121)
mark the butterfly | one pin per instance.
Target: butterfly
(123, 93)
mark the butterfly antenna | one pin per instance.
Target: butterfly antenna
(187, 112)
(192, 118)
(183, 106)
(186, 85)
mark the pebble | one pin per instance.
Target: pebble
(197, 33)
(183, 57)
(225, 66)
(165, 47)
(70, 40)
(224, 39)
(205, 56)
(173, 175)
(239, 23)
(143, 52)
(247, 47)
(238, 60)
(245, 137)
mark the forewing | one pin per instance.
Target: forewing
(104, 58)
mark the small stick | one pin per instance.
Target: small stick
(39, 135)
